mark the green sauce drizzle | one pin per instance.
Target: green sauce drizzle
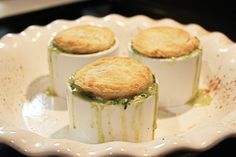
(109, 126)
(98, 109)
(123, 124)
(197, 50)
(99, 103)
(50, 91)
(135, 124)
(197, 74)
(140, 98)
(202, 98)
(154, 125)
(74, 109)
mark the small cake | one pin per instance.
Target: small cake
(175, 56)
(75, 47)
(113, 98)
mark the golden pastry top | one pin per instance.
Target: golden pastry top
(164, 42)
(84, 39)
(114, 77)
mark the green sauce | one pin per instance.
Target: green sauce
(197, 74)
(154, 125)
(202, 98)
(98, 104)
(92, 123)
(109, 126)
(51, 90)
(135, 124)
(53, 48)
(140, 98)
(139, 123)
(123, 124)
(98, 109)
(197, 50)
(74, 109)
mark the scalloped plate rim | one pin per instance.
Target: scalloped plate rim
(6, 135)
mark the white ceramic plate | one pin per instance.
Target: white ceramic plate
(35, 124)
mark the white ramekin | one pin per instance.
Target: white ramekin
(178, 77)
(62, 65)
(100, 123)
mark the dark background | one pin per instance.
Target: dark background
(212, 15)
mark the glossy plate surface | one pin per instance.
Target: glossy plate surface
(36, 124)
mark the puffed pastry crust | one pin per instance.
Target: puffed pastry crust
(114, 77)
(164, 42)
(84, 39)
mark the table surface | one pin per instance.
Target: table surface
(13, 7)
(214, 17)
